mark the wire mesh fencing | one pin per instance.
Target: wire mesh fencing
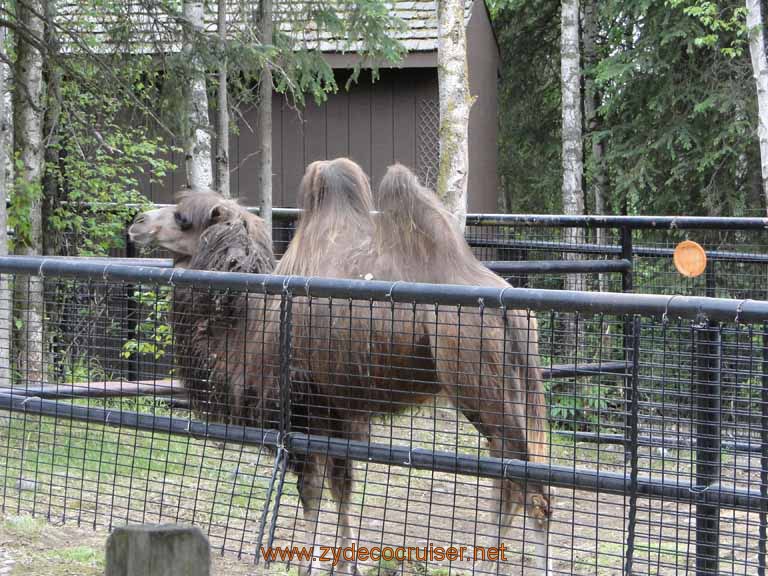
(414, 428)
(595, 253)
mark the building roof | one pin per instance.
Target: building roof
(152, 27)
(418, 34)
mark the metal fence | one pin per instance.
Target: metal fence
(628, 253)
(657, 449)
(605, 253)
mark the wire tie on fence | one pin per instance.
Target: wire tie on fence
(28, 398)
(391, 289)
(698, 490)
(739, 309)
(170, 278)
(665, 316)
(505, 469)
(106, 418)
(306, 285)
(410, 460)
(283, 440)
(286, 282)
(501, 295)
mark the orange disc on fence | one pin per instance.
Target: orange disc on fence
(690, 258)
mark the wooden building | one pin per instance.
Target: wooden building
(377, 123)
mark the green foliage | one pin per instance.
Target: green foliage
(724, 26)
(529, 104)
(154, 336)
(24, 195)
(677, 115)
(120, 98)
(299, 69)
(102, 158)
(576, 409)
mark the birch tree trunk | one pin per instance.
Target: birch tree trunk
(52, 240)
(222, 118)
(455, 104)
(6, 326)
(197, 141)
(573, 165)
(599, 178)
(28, 112)
(264, 124)
(757, 50)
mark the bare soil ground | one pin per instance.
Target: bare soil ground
(32, 546)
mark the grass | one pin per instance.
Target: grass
(97, 475)
(23, 526)
(38, 548)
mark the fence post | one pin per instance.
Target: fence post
(761, 543)
(706, 392)
(158, 550)
(627, 253)
(627, 285)
(285, 386)
(634, 420)
(132, 315)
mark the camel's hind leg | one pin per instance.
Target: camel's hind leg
(310, 486)
(536, 525)
(509, 501)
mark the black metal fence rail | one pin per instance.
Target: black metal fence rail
(585, 221)
(610, 253)
(635, 222)
(439, 461)
(689, 307)
(704, 350)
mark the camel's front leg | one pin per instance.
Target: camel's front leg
(537, 521)
(341, 489)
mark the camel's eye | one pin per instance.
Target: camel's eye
(181, 221)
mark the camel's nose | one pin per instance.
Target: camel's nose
(139, 219)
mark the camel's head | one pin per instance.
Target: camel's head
(178, 228)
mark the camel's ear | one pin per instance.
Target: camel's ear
(220, 213)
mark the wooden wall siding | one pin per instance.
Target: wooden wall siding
(374, 124)
(483, 61)
(392, 120)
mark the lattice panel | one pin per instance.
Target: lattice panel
(428, 148)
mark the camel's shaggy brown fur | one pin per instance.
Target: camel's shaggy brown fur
(351, 361)
(489, 366)
(204, 231)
